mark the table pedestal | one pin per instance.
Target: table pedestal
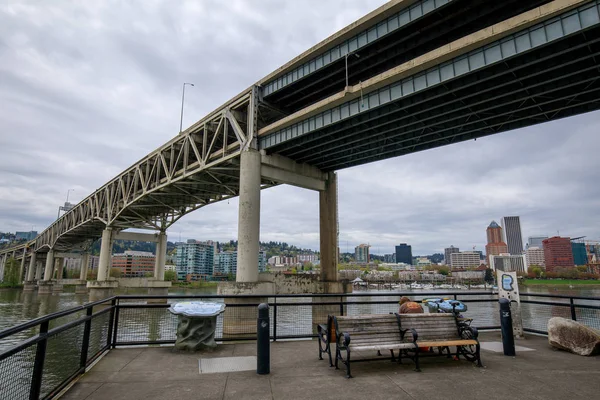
(196, 333)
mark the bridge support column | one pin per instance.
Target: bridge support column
(103, 287)
(81, 287)
(328, 226)
(22, 268)
(29, 280)
(249, 217)
(2, 264)
(158, 286)
(59, 263)
(39, 268)
(45, 285)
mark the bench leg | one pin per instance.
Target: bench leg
(338, 355)
(393, 358)
(478, 355)
(348, 375)
(417, 359)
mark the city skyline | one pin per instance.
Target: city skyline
(124, 93)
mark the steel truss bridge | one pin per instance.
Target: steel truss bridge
(409, 76)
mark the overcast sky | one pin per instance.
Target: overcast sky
(88, 88)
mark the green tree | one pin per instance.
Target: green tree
(171, 276)
(116, 272)
(11, 272)
(537, 271)
(444, 271)
(489, 275)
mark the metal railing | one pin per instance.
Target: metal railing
(63, 345)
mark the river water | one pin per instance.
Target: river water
(17, 306)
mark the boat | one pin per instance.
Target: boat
(416, 285)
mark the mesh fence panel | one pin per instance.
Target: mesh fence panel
(98, 335)
(536, 316)
(16, 374)
(146, 325)
(63, 355)
(588, 316)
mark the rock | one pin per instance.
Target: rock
(572, 336)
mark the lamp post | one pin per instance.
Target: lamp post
(182, 100)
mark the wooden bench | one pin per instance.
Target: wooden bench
(363, 333)
(442, 331)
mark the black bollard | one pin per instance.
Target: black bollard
(508, 338)
(263, 343)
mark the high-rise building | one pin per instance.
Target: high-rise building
(495, 246)
(195, 260)
(447, 252)
(593, 252)
(464, 259)
(558, 253)
(134, 264)
(536, 241)
(225, 262)
(511, 234)
(361, 253)
(404, 254)
(535, 257)
(508, 262)
(579, 253)
(390, 258)
(25, 235)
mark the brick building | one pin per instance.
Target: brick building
(558, 253)
(134, 264)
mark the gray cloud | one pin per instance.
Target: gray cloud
(89, 88)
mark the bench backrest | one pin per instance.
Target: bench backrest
(369, 329)
(438, 326)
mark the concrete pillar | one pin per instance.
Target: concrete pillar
(49, 266)
(249, 217)
(22, 268)
(83, 270)
(2, 264)
(161, 257)
(328, 225)
(81, 287)
(29, 280)
(103, 287)
(105, 255)
(39, 267)
(57, 284)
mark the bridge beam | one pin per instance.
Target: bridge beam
(81, 287)
(136, 236)
(161, 255)
(22, 268)
(285, 170)
(328, 229)
(45, 285)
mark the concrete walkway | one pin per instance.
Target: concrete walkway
(296, 373)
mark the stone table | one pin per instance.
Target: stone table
(197, 324)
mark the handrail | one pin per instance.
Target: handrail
(47, 318)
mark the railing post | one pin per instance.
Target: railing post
(87, 328)
(573, 314)
(114, 313)
(275, 319)
(38, 366)
(342, 306)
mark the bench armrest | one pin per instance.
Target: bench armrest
(415, 335)
(346, 341)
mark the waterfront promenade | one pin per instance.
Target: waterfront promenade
(296, 373)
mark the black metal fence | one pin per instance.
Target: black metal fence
(65, 343)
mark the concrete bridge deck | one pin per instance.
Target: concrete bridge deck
(296, 373)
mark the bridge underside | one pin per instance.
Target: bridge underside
(557, 80)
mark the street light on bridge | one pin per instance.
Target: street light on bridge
(182, 100)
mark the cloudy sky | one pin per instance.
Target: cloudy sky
(88, 88)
